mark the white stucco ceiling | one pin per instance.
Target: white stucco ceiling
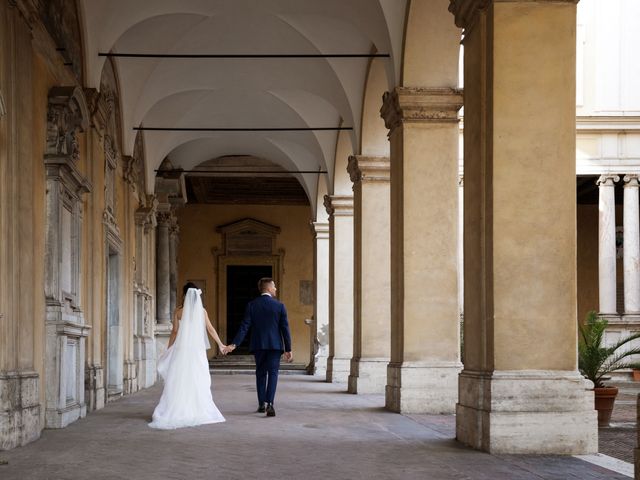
(242, 92)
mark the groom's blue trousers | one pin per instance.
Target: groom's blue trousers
(267, 367)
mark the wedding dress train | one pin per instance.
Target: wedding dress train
(186, 399)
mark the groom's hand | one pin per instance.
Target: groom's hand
(288, 356)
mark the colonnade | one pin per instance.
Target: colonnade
(607, 247)
(519, 274)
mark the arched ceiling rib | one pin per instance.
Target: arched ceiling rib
(243, 92)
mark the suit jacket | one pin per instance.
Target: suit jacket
(267, 318)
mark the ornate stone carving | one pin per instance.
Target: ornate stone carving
(369, 169)
(67, 114)
(607, 180)
(248, 237)
(414, 104)
(339, 205)
(466, 11)
(163, 218)
(631, 180)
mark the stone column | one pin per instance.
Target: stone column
(340, 209)
(520, 390)
(461, 246)
(372, 274)
(174, 230)
(163, 268)
(631, 246)
(607, 244)
(321, 296)
(425, 358)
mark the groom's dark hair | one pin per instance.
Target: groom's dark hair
(187, 286)
(263, 282)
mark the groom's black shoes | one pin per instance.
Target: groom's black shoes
(270, 411)
(261, 408)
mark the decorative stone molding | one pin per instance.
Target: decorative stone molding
(607, 180)
(369, 169)
(66, 331)
(461, 180)
(320, 230)
(339, 205)
(67, 114)
(248, 237)
(466, 11)
(130, 172)
(421, 105)
(163, 219)
(97, 109)
(631, 180)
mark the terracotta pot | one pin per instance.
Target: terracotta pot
(636, 375)
(605, 398)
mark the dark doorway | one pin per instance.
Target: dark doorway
(242, 287)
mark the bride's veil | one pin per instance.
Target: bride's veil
(186, 397)
(190, 342)
(192, 332)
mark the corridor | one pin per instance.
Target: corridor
(319, 433)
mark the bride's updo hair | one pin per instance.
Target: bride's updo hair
(186, 287)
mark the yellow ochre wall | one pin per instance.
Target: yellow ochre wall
(196, 259)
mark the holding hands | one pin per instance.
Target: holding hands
(227, 348)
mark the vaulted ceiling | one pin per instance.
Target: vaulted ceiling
(239, 93)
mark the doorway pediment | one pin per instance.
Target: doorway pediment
(248, 237)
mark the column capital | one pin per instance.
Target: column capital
(466, 11)
(163, 219)
(363, 169)
(421, 105)
(320, 230)
(607, 180)
(339, 205)
(631, 180)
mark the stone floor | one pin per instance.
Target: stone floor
(620, 438)
(319, 433)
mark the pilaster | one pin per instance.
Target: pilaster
(340, 209)
(425, 362)
(519, 270)
(372, 286)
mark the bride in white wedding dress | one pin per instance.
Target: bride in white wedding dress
(186, 399)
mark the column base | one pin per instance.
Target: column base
(420, 387)
(320, 365)
(162, 333)
(130, 381)
(94, 394)
(338, 370)
(534, 412)
(144, 351)
(368, 375)
(19, 409)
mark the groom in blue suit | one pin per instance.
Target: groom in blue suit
(270, 337)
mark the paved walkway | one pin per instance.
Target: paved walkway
(619, 440)
(319, 433)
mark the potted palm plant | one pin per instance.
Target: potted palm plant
(596, 361)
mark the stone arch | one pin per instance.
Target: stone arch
(344, 149)
(431, 46)
(373, 138)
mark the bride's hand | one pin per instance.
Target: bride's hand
(223, 349)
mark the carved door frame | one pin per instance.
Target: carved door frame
(245, 242)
